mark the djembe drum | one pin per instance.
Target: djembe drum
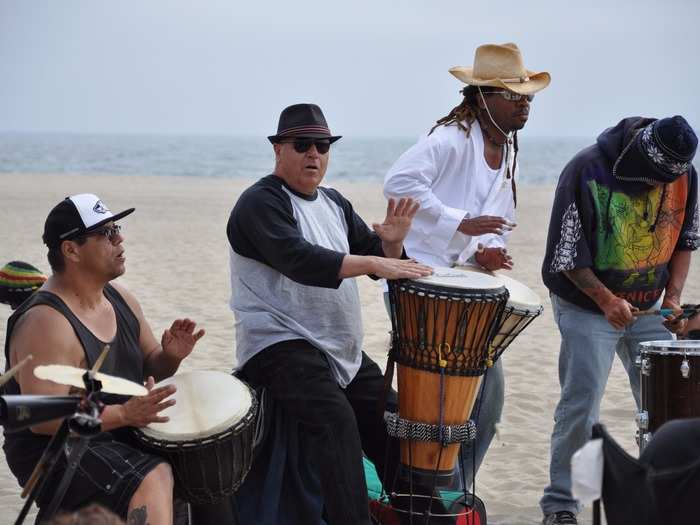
(522, 308)
(442, 328)
(209, 439)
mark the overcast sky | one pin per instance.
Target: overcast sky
(375, 67)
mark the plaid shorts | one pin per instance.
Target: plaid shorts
(109, 473)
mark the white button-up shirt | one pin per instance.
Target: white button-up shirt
(447, 173)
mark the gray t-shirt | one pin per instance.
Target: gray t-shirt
(286, 253)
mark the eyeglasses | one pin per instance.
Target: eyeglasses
(512, 97)
(304, 145)
(109, 232)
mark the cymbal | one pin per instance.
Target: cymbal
(70, 375)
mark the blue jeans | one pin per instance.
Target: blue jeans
(588, 346)
(486, 414)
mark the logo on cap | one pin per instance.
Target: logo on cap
(99, 207)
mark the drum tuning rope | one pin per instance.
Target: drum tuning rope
(442, 363)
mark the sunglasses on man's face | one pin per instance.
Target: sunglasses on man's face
(512, 97)
(304, 145)
(108, 232)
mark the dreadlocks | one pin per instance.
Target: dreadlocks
(466, 113)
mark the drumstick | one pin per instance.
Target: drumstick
(100, 360)
(661, 311)
(685, 312)
(12, 371)
(33, 479)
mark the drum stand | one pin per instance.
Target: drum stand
(85, 423)
(420, 508)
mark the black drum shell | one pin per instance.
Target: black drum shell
(666, 394)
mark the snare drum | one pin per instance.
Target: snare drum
(521, 309)
(209, 438)
(670, 378)
(442, 328)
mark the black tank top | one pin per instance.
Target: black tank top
(125, 359)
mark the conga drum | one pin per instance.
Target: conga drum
(442, 327)
(210, 436)
(670, 384)
(522, 308)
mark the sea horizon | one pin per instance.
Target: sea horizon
(365, 158)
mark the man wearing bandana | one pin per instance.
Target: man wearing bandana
(624, 223)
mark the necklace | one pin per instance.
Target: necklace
(491, 139)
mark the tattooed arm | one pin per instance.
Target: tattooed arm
(678, 270)
(617, 311)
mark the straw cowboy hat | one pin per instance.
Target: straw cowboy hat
(501, 66)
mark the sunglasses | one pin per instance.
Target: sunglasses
(512, 97)
(304, 145)
(108, 232)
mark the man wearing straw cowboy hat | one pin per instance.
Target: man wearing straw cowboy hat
(463, 173)
(624, 222)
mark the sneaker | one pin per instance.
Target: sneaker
(563, 517)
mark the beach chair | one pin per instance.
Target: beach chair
(662, 486)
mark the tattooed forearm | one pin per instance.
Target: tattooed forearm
(678, 270)
(586, 281)
(138, 516)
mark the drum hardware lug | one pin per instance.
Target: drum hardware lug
(646, 366)
(685, 368)
(642, 419)
(638, 361)
(642, 439)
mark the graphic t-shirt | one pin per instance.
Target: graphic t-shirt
(626, 232)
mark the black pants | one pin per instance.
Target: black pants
(340, 422)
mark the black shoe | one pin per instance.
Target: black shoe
(563, 517)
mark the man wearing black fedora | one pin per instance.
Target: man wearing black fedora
(624, 223)
(295, 248)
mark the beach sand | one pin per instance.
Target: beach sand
(177, 265)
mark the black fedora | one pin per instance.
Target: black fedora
(303, 121)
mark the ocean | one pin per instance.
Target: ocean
(541, 159)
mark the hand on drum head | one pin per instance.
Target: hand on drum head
(485, 224)
(143, 410)
(618, 312)
(494, 258)
(388, 268)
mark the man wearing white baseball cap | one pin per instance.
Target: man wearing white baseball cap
(69, 321)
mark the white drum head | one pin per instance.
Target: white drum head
(520, 297)
(207, 403)
(459, 279)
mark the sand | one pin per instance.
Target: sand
(177, 265)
